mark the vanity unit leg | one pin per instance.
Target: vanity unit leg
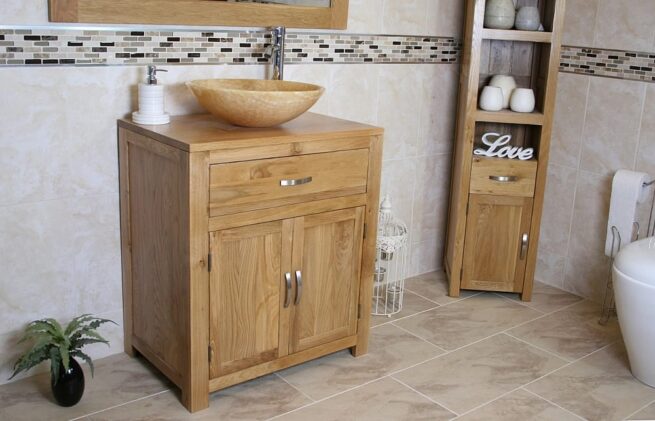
(195, 391)
(369, 252)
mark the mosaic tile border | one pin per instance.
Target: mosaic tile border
(617, 64)
(52, 46)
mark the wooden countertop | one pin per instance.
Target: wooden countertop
(204, 132)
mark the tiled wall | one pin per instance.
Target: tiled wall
(59, 227)
(601, 125)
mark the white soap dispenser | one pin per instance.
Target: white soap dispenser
(151, 101)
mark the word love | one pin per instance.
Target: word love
(500, 149)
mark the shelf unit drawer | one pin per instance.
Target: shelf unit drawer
(498, 176)
(265, 183)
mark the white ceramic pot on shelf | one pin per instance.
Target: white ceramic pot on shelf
(523, 100)
(507, 84)
(491, 98)
(499, 14)
(528, 19)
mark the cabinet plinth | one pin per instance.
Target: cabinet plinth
(245, 250)
(496, 203)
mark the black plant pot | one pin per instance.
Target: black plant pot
(69, 385)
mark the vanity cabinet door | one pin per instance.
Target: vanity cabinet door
(327, 251)
(248, 317)
(496, 243)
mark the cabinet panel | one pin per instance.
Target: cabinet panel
(327, 251)
(494, 253)
(246, 290)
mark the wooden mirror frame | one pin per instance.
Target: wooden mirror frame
(199, 13)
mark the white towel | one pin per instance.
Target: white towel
(627, 190)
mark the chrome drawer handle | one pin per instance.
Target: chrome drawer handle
(298, 286)
(295, 182)
(504, 178)
(524, 245)
(287, 299)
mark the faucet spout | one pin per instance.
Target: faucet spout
(276, 51)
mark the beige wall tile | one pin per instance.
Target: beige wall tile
(353, 92)
(586, 268)
(568, 125)
(399, 104)
(399, 182)
(579, 22)
(430, 209)
(426, 256)
(646, 154)
(365, 16)
(625, 25)
(445, 18)
(438, 111)
(612, 125)
(558, 209)
(408, 17)
(24, 12)
(318, 74)
(550, 268)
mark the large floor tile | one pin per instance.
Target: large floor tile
(479, 373)
(571, 333)
(598, 387)
(519, 406)
(257, 399)
(467, 321)
(390, 349)
(434, 287)
(647, 413)
(412, 304)
(546, 298)
(118, 379)
(384, 399)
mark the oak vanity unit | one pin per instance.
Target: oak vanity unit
(246, 251)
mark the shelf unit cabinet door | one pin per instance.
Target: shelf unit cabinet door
(327, 251)
(247, 293)
(495, 253)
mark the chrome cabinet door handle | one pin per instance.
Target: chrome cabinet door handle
(295, 182)
(287, 299)
(504, 178)
(524, 245)
(298, 286)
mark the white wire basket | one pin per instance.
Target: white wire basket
(390, 263)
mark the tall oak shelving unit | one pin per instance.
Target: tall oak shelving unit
(493, 226)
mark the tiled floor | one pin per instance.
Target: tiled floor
(482, 356)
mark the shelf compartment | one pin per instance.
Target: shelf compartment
(523, 135)
(510, 117)
(516, 35)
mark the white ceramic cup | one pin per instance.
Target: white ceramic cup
(507, 84)
(522, 101)
(491, 98)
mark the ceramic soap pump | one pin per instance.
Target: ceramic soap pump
(151, 101)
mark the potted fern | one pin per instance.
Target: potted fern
(61, 346)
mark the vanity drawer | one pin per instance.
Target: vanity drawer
(503, 177)
(243, 186)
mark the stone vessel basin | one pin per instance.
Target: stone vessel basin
(255, 103)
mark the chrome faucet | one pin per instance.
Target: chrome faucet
(276, 51)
